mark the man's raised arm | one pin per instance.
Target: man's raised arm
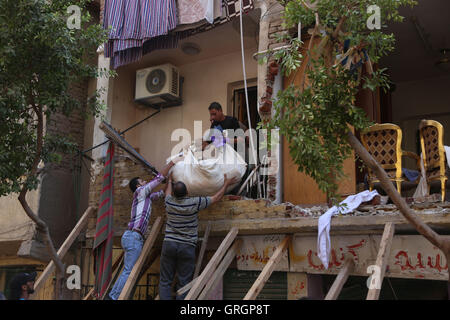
(221, 192)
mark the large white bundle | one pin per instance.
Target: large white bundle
(204, 176)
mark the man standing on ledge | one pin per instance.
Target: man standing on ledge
(180, 240)
(133, 239)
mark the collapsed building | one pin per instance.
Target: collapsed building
(272, 238)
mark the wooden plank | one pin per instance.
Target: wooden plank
(81, 224)
(340, 280)
(220, 271)
(89, 295)
(382, 259)
(267, 271)
(121, 142)
(131, 281)
(116, 266)
(212, 264)
(202, 250)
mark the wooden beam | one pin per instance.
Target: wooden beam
(121, 142)
(212, 264)
(382, 259)
(267, 271)
(81, 224)
(340, 280)
(186, 287)
(131, 281)
(116, 266)
(218, 274)
(202, 250)
(89, 295)
(152, 256)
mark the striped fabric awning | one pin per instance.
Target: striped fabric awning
(141, 26)
(134, 22)
(103, 242)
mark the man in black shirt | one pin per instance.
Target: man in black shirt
(221, 122)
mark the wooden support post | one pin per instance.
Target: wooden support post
(340, 280)
(218, 274)
(267, 271)
(131, 281)
(186, 287)
(81, 224)
(382, 259)
(202, 250)
(89, 294)
(115, 266)
(212, 264)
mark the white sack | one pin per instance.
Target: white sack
(204, 177)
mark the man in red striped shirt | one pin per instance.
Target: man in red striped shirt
(133, 239)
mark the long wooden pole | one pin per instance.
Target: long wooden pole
(202, 250)
(212, 264)
(382, 259)
(267, 271)
(81, 224)
(128, 287)
(223, 266)
(340, 280)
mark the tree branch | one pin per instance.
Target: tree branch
(401, 204)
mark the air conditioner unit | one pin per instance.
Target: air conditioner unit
(158, 86)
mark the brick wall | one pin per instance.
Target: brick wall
(265, 108)
(125, 169)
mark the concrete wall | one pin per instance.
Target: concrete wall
(15, 225)
(417, 100)
(204, 82)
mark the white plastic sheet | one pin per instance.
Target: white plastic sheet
(202, 173)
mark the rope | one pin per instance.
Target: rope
(246, 92)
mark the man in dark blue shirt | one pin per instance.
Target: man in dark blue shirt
(221, 122)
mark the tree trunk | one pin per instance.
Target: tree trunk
(41, 225)
(441, 242)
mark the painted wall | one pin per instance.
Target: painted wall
(204, 82)
(14, 223)
(417, 100)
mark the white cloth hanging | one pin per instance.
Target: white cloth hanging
(422, 187)
(193, 11)
(324, 224)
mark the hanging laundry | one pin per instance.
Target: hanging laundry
(230, 10)
(132, 23)
(422, 188)
(193, 11)
(324, 224)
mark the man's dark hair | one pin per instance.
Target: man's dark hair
(216, 106)
(179, 189)
(133, 184)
